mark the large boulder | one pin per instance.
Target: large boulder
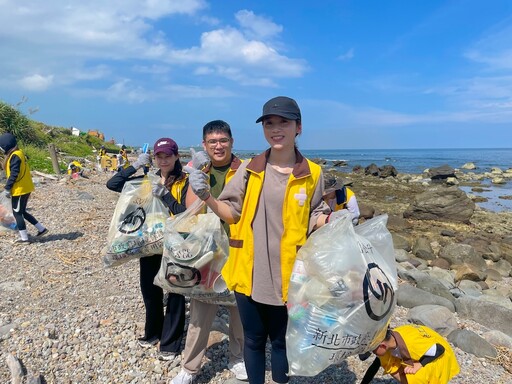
(372, 170)
(442, 204)
(493, 316)
(462, 253)
(441, 173)
(388, 171)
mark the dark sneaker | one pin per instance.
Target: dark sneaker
(166, 356)
(148, 343)
(21, 242)
(42, 233)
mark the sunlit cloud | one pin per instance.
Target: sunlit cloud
(228, 46)
(36, 82)
(257, 26)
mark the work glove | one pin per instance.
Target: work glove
(333, 216)
(199, 182)
(143, 159)
(7, 193)
(200, 159)
(159, 190)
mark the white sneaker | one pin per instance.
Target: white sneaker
(238, 369)
(183, 378)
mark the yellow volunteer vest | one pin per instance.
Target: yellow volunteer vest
(76, 164)
(177, 188)
(342, 198)
(418, 340)
(23, 183)
(300, 188)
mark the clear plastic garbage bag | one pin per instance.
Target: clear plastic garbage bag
(7, 220)
(341, 295)
(137, 226)
(195, 250)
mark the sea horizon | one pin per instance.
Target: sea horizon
(416, 161)
(410, 160)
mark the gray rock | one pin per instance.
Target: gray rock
(401, 242)
(470, 342)
(462, 253)
(491, 315)
(443, 204)
(423, 249)
(442, 172)
(412, 275)
(503, 267)
(435, 287)
(437, 317)
(498, 338)
(443, 275)
(410, 297)
(5, 329)
(85, 196)
(493, 275)
(503, 301)
(401, 255)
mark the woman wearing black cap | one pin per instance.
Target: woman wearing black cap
(172, 189)
(276, 201)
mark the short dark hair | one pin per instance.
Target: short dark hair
(216, 126)
(389, 334)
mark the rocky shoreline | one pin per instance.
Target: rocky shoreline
(66, 319)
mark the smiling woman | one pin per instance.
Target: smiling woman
(275, 190)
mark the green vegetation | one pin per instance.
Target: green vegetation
(34, 137)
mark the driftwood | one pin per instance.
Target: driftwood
(46, 175)
(15, 367)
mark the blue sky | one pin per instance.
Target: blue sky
(366, 74)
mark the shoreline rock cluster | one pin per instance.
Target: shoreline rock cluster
(67, 319)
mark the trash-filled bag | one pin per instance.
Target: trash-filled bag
(7, 220)
(341, 295)
(195, 250)
(137, 226)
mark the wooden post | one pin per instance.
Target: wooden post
(53, 156)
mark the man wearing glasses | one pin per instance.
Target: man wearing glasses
(220, 163)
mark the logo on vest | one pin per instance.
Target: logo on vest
(301, 196)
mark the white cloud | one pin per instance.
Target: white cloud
(96, 40)
(124, 90)
(349, 55)
(36, 82)
(57, 36)
(230, 48)
(257, 26)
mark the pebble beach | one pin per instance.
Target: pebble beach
(67, 319)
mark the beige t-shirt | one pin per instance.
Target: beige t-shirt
(268, 228)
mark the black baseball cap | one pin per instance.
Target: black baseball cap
(281, 106)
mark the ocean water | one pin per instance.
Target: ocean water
(415, 161)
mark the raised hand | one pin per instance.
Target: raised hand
(200, 159)
(144, 158)
(199, 182)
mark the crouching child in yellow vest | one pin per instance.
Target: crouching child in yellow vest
(414, 354)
